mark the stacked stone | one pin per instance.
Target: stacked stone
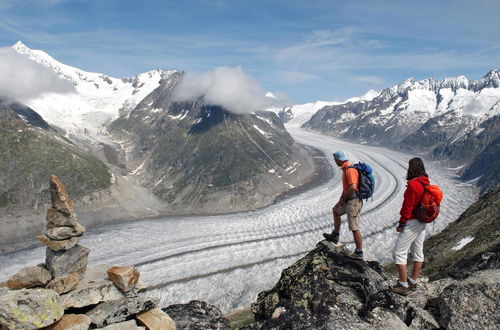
(65, 259)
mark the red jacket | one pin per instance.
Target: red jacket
(413, 194)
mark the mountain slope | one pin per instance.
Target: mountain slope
(98, 99)
(469, 244)
(31, 150)
(200, 158)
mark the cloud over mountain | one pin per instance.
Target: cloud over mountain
(23, 79)
(228, 87)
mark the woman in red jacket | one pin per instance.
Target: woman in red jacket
(411, 231)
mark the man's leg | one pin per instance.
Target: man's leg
(337, 222)
(358, 239)
(337, 212)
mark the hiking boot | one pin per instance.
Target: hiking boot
(333, 237)
(400, 289)
(412, 286)
(358, 255)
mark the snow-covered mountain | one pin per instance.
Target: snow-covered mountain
(297, 114)
(453, 120)
(201, 158)
(98, 99)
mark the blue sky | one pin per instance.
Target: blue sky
(308, 50)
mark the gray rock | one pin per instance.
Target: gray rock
(63, 233)
(381, 318)
(197, 315)
(472, 303)
(64, 283)
(110, 312)
(56, 218)
(324, 278)
(29, 308)
(29, 277)
(73, 260)
(92, 289)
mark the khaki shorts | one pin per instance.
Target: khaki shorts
(353, 210)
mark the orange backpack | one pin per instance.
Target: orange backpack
(428, 208)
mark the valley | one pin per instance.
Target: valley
(227, 259)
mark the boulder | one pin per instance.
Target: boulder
(381, 318)
(71, 322)
(156, 319)
(472, 303)
(56, 218)
(73, 260)
(124, 278)
(59, 196)
(326, 284)
(29, 308)
(197, 315)
(29, 277)
(57, 245)
(92, 289)
(110, 312)
(64, 283)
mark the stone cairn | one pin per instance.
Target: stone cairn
(63, 294)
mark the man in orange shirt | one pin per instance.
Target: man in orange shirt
(348, 204)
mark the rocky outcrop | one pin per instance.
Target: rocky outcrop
(328, 290)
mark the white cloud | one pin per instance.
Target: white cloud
(22, 79)
(369, 79)
(230, 88)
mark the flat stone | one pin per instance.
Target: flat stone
(71, 322)
(94, 288)
(156, 319)
(57, 245)
(61, 233)
(29, 277)
(124, 277)
(29, 308)
(60, 219)
(110, 312)
(59, 196)
(73, 260)
(64, 283)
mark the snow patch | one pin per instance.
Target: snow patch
(463, 242)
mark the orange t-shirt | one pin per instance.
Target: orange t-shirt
(349, 176)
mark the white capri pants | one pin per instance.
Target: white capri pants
(413, 237)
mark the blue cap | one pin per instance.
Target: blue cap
(340, 155)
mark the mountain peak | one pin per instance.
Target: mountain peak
(21, 47)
